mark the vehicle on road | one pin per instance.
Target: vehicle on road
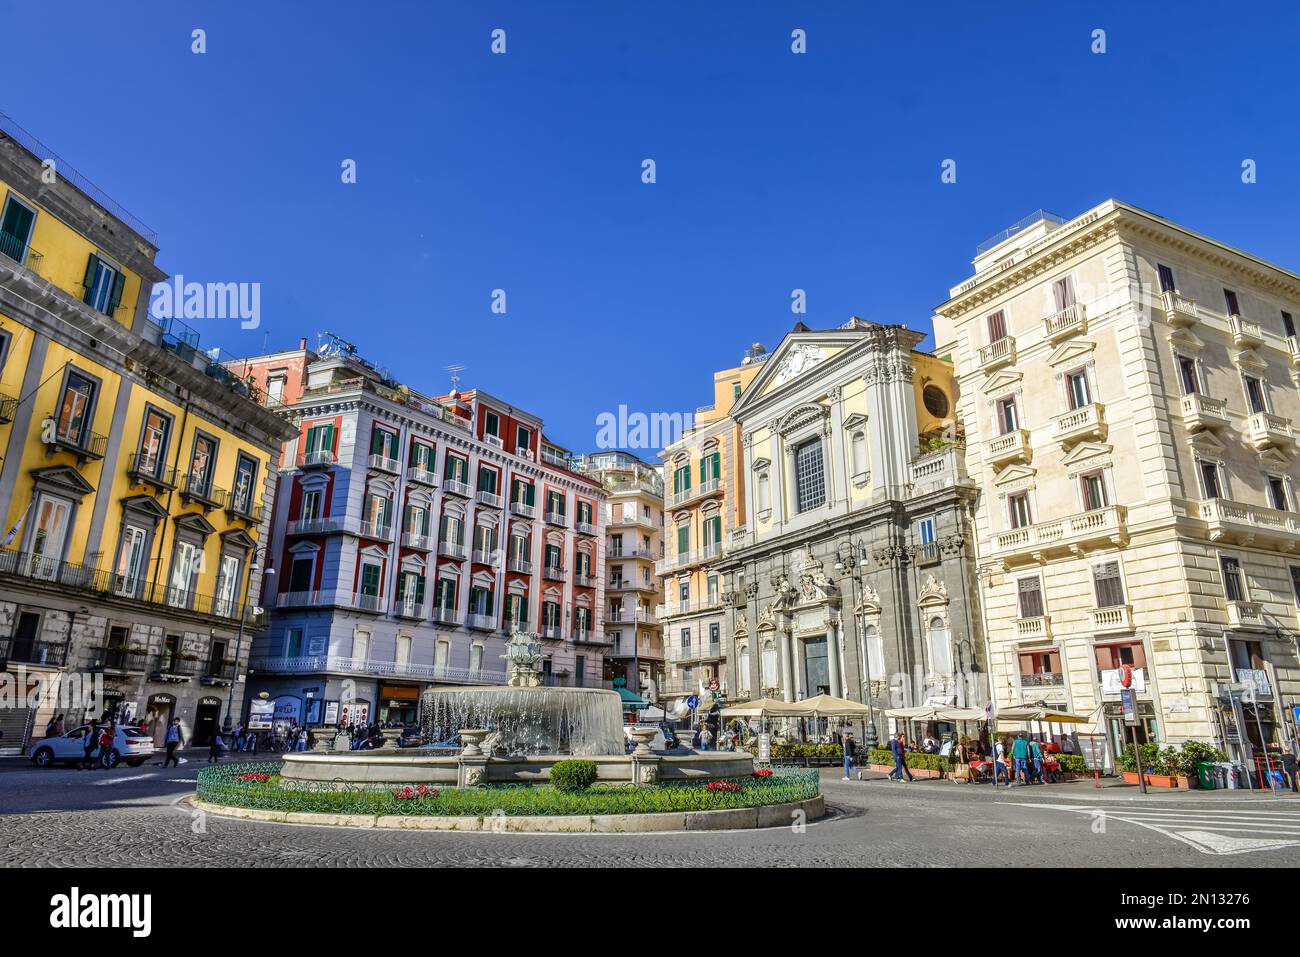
(130, 745)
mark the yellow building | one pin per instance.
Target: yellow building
(704, 500)
(134, 473)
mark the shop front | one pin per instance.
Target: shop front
(399, 704)
(158, 714)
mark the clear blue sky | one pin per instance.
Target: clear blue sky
(522, 171)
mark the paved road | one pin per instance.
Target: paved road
(137, 816)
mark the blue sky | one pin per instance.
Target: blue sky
(522, 172)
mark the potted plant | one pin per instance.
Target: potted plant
(1159, 767)
(1191, 756)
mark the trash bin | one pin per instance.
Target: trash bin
(1206, 776)
(1229, 772)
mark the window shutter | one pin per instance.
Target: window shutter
(92, 266)
(115, 300)
(419, 589)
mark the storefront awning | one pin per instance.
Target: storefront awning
(631, 700)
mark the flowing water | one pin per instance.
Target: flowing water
(578, 721)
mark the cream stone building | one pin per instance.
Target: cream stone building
(704, 501)
(1128, 390)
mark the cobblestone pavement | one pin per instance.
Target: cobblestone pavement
(138, 816)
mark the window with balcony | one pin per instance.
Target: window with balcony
(153, 443)
(320, 438)
(300, 575)
(713, 533)
(520, 548)
(312, 505)
(186, 559)
(485, 542)
(451, 530)
(1018, 510)
(685, 638)
(683, 539)
(410, 592)
(1167, 283)
(1256, 394)
(1092, 490)
(416, 520)
(16, 229)
(554, 557)
(583, 562)
(1288, 324)
(456, 469)
(203, 458)
(925, 534)
(377, 512)
(711, 589)
(521, 493)
(1008, 416)
(243, 488)
(1277, 496)
(555, 504)
(76, 409)
(710, 468)
(939, 646)
(584, 513)
(1234, 584)
(293, 643)
(491, 424)
(132, 560)
(551, 616)
(516, 611)
(104, 283)
(1188, 376)
(1210, 483)
(489, 479)
(582, 620)
(523, 440)
(810, 479)
(684, 591)
(1230, 302)
(421, 456)
(370, 573)
(383, 443)
(682, 480)
(1063, 293)
(1108, 585)
(229, 575)
(997, 326)
(1029, 592)
(480, 600)
(1077, 391)
(444, 597)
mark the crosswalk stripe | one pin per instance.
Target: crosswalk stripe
(1174, 819)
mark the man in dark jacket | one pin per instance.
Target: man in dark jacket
(899, 747)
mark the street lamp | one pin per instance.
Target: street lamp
(239, 639)
(849, 562)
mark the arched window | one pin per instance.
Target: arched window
(875, 652)
(769, 665)
(859, 452)
(744, 668)
(940, 652)
(764, 493)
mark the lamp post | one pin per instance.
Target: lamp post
(849, 562)
(239, 638)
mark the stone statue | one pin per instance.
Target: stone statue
(524, 654)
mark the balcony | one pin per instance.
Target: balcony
(481, 622)
(145, 469)
(423, 543)
(409, 608)
(446, 616)
(218, 673)
(366, 602)
(322, 664)
(485, 556)
(489, 499)
(1072, 321)
(553, 573)
(688, 559)
(370, 528)
(242, 507)
(1242, 524)
(1267, 431)
(319, 459)
(1012, 446)
(628, 584)
(421, 476)
(523, 509)
(175, 667)
(1247, 614)
(926, 553)
(939, 470)
(493, 440)
(119, 661)
(303, 599)
(8, 408)
(1043, 679)
(1097, 528)
(454, 487)
(86, 446)
(451, 550)
(1179, 310)
(382, 463)
(1292, 347)
(1202, 412)
(636, 521)
(1245, 334)
(707, 603)
(553, 632)
(998, 354)
(584, 581)
(557, 518)
(587, 636)
(640, 554)
(709, 487)
(314, 526)
(585, 528)
(630, 616)
(520, 565)
(46, 654)
(1113, 618)
(1088, 422)
(1030, 629)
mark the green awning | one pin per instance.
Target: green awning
(631, 700)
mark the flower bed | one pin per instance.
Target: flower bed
(240, 785)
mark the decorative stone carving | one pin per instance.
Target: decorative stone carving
(473, 777)
(798, 360)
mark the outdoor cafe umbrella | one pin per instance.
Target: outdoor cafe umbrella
(826, 706)
(1025, 714)
(765, 708)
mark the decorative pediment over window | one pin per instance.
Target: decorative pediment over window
(194, 522)
(62, 479)
(483, 579)
(517, 586)
(144, 506)
(1206, 441)
(304, 549)
(1248, 360)
(413, 563)
(381, 486)
(741, 631)
(582, 601)
(933, 597)
(238, 538)
(375, 552)
(801, 418)
(313, 481)
(1086, 451)
(419, 497)
(1275, 458)
(767, 617)
(487, 518)
(855, 421)
(761, 465)
(452, 507)
(1072, 352)
(1185, 341)
(1002, 382)
(869, 603)
(552, 594)
(555, 538)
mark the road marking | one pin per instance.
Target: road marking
(129, 777)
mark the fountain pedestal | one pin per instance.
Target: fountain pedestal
(471, 763)
(645, 763)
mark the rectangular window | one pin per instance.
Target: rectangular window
(1210, 479)
(320, 437)
(1166, 278)
(1018, 510)
(104, 283)
(1234, 588)
(131, 561)
(491, 424)
(997, 324)
(1108, 585)
(370, 579)
(455, 468)
(1288, 324)
(1076, 389)
(1187, 376)
(421, 456)
(75, 409)
(686, 639)
(16, 230)
(228, 586)
(1230, 302)
(1277, 493)
(1110, 657)
(523, 440)
(810, 480)
(1063, 293)
(683, 539)
(185, 566)
(383, 443)
(202, 458)
(682, 480)
(1008, 417)
(153, 444)
(684, 591)
(1255, 394)
(713, 531)
(1030, 592)
(300, 575)
(488, 479)
(311, 505)
(1295, 583)
(444, 594)
(1093, 489)
(925, 529)
(241, 495)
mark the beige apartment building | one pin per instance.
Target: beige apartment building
(1128, 390)
(703, 502)
(634, 541)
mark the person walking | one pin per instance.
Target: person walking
(899, 747)
(1000, 766)
(215, 748)
(1289, 762)
(706, 738)
(107, 739)
(1036, 755)
(847, 744)
(172, 741)
(88, 745)
(1020, 755)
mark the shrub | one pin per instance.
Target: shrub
(1073, 763)
(1196, 752)
(572, 777)
(1155, 760)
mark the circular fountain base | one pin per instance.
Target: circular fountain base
(405, 767)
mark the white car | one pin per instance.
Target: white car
(130, 745)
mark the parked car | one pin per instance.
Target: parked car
(130, 745)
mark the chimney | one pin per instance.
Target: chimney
(302, 343)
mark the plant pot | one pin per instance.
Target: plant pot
(1185, 782)
(1153, 780)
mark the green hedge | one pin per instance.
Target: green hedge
(796, 750)
(573, 777)
(916, 760)
(1170, 760)
(220, 785)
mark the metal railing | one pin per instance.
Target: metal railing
(455, 487)
(87, 445)
(317, 664)
(51, 654)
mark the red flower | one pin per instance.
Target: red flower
(762, 772)
(729, 787)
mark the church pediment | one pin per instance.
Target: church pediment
(1073, 351)
(802, 417)
(1086, 450)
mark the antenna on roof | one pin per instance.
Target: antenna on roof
(455, 370)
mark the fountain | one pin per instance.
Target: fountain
(514, 733)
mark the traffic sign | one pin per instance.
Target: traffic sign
(1130, 707)
(693, 702)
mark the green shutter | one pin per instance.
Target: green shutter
(683, 540)
(89, 281)
(376, 442)
(419, 590)
(115, 299)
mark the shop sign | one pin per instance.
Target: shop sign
(764, 748)
(331, 712)
(1254, 680)
(1112, 680)
(1129, 700)
(260, 714)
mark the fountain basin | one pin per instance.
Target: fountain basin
(581, 722)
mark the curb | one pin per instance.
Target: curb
(771, 815)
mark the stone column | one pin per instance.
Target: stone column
(837, 478)
(833, 657)
(787, 670)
